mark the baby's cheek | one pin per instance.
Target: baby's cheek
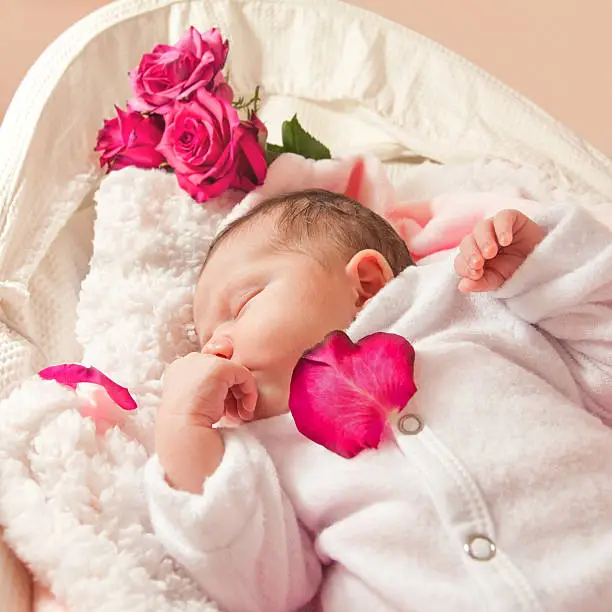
(289, 340)
(278, 332)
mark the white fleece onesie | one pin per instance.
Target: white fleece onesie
(502, 501)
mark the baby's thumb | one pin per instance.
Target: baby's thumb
(491, 280)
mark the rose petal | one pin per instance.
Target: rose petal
(342, 393)
(203, 190)
(71, 374)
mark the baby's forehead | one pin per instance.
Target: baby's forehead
(243, 246)
(251, 239)
(262, 237)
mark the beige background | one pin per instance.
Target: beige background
(557, 52)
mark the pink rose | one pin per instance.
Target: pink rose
(175, 72)
(130, 139)
(207, 146)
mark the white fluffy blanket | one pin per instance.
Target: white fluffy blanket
(70, 497)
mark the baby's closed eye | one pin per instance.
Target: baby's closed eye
(244, 301)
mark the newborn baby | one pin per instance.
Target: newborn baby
(495, 491)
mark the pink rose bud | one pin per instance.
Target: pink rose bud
(208, 147)
(176, 72)
(221, 88)
(130, 139)
(251, 165)
(342, 393)
(262, 130)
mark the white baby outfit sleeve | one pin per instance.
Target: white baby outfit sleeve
(240, 539)
(565, 289)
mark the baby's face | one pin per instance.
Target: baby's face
(264, 309)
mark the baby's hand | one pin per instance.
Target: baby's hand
(200, 389)
(495, 249)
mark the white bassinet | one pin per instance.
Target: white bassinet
(358, 82)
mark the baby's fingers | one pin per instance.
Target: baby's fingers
(245, 403)
(486, 239)
(245, 392)
(469, 262)
(490, 281)
(503, 223)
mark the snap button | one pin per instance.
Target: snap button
(480, 548)
(410, 424)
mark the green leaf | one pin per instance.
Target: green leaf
(274, 149)
(297, 140)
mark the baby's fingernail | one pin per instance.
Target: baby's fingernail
(504, 239)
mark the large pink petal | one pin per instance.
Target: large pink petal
(342, 393)
(71, 374)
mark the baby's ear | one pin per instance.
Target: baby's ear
(369, 272)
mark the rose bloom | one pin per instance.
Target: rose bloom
(210, 149)
(175, 72)
(130, 139)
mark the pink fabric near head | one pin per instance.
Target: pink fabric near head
(428, 227)
(362, 178)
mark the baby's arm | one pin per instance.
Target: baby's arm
(15, 582)
(565, 288)
(215, 500)
(240, 539)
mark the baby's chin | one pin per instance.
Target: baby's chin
(271, 401)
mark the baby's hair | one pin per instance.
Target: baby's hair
(325, 217)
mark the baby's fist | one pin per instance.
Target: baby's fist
(200, 389)
(495, 249)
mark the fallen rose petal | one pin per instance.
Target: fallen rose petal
(71, 374)
(342, 393)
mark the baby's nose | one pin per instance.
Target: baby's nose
(221, 347)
